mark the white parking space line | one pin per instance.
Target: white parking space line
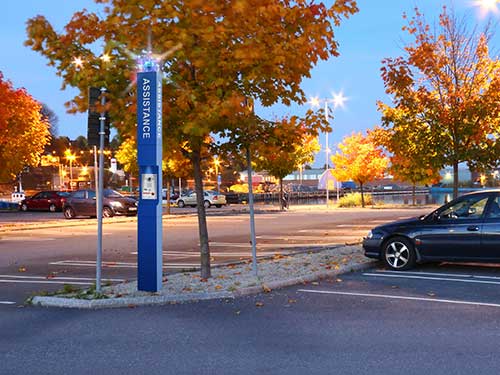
(354, 226)
(429, 273)
(432, 278)
(27, 239)
(388, 296)
(7, 303)
(17, 279)
(6, 281)
(306, 238)
(271, 245)
(56, 278)
(86, 263)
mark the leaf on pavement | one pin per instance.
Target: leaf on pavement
(259, 304)
(290, 300)
(266, 289)
(21, 269)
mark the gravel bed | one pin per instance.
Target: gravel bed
(280, 270)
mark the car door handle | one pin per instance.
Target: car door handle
(473, 228)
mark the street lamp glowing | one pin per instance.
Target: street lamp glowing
(339, 100)
(314, 102)
(105, 58)
(487, 6)
(78, 62)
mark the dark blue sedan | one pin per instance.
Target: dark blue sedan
(466, 229)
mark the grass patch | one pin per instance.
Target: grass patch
(354, 200)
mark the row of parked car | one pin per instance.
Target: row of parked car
(83, 202)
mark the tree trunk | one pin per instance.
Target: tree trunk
(362, 195)
(202, 218)
(282, 207)
(455, 179)
(414, 194)
(167, 197)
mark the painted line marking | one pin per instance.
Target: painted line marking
(443, 274)
(388, 296)
(305, 238)
(270, 245)
(433, 278)
(354, 226)
(45, 282)
(57, 278)
(28, 239)
(85, 263)
(432, 274)
(7, 303)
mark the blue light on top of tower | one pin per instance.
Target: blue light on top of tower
(147, 63)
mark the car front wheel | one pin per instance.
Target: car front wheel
(107, 212)
(24, 207)
(181, 204)
(69, 213)
(399, 254)
(52, 208)
(206, 204)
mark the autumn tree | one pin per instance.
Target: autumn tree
(411, 152)
(288, 145)
(359, 160)
(221, 52)
(23, 131)
(450, 86)
(50, 116)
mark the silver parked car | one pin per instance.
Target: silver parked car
(210, 198)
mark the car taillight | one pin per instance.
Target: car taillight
(215, 197)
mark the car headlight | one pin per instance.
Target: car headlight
(116, 204)
(369, 235)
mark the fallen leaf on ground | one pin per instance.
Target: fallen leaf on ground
(237, 312)
(259, 304)
(314, 283)
(21, 269)
(339, 280)
(266, 289)
(431, 294)
(290, 300)
(218, 287)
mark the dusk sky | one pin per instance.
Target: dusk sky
(365, 39)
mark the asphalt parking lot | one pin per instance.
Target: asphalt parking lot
(445, 283)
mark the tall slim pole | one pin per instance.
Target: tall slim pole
(253, 239)
(100, 190)
(326, 152)
(71, 174)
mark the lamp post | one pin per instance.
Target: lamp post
(217, 163)
(338, 100)
(70, 157)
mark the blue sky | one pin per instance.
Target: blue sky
(365, 39)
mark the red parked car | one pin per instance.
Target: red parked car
(44, 201)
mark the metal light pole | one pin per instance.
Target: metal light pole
(216, 163)
(338, 100)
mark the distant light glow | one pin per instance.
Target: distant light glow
(339, 100)
(314, 102)
(105, 58)
(486, 6)
(78, 62)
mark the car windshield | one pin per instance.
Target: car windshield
(110, 193)
(63, 194)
